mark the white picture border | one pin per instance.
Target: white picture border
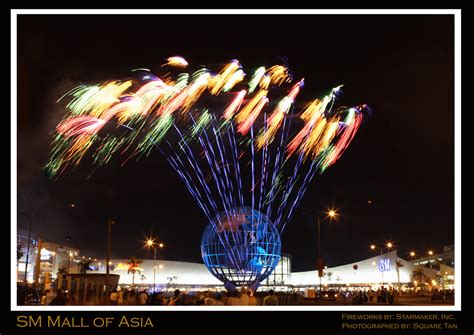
(457, 154)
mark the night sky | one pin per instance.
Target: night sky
(396, 180)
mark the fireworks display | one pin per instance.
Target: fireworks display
(230, 139)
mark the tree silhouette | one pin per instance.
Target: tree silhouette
(399, 265)
(62, 271)
(133, 267)
(84, 266)
(19, 251)
(419, 275)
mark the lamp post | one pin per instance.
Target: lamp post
(331, 214)
(69, 255)
(28, 247)
(150, 243)
(110, 222)
(430, 256)
(160, 245)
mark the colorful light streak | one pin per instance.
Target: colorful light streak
(231, 151)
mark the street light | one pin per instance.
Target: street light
(150, 243)
(430, 254)
(331, 215)
(110, 222)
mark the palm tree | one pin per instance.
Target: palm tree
(134, 266)
(399, 265)
(419, 275)
(171, 279)
(61, 271)
(329, 276)
(84, 266)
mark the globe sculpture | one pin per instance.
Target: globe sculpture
(241, 248)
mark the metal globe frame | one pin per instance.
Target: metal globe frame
(241, 248)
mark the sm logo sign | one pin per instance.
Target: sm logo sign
(384, 265)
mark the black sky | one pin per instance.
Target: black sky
(402, 159)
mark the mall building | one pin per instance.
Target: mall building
(387, 268)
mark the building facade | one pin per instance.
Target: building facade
(27, 250)
(386, 269)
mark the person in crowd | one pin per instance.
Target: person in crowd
(59, 299)
(252, 299)
(114, 297)
(396, 296)
(244, 297)
(371, 295)
(218, 300)
(120, 297)
(158, 299)
(233, 298)
(126, 295)
(294, 296)
(390, 297)
(208, 299)
(384, 295)
(132, 297)
(176, 298)
(379, 295)
(143, 297)
(270, 299)
(48, 296)
(199, 299)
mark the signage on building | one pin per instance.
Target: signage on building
(384, 265)
(45, 254)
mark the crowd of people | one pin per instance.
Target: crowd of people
(381, 296)
(445, 295)
(243, 297)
